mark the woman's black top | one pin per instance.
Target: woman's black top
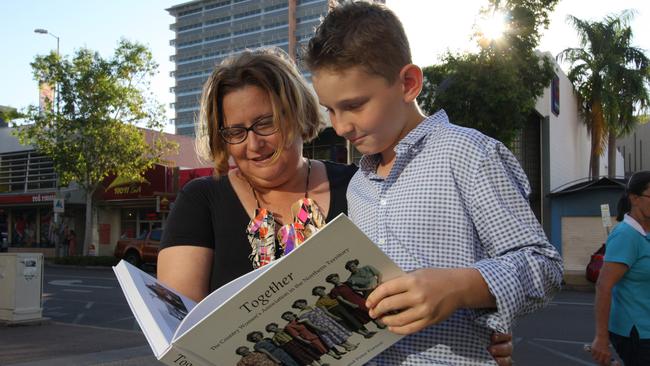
(208, 213)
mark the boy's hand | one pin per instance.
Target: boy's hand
(410, 303)
(501, 348)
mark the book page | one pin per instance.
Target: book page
(158, 309)
(284, 299)
(213, 301)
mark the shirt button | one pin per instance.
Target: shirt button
(383, 202)
(381, 241)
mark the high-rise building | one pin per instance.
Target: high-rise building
(209, 30)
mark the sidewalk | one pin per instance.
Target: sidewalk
(59, 344)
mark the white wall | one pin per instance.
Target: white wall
(570, 143)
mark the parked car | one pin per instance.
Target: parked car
(141, 250)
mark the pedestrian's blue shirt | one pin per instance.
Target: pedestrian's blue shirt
(457, 198)
(630, 244)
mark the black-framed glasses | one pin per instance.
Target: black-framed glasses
(237, 135)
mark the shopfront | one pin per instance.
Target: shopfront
(131, 209)
(27, 222)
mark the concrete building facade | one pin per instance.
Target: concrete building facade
(207, 31)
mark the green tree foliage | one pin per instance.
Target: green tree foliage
(610, 76)
(90, 131)
(7, 114)
(494, 90)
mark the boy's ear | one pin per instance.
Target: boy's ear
(411, 79)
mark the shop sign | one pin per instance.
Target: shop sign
(43, 197)
(58, 205)
(27, 198)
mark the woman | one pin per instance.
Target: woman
(331, 332)
(268, 347)
(257, 110)
(302, 353)
(299, 330)
(351, 299)
(338, 312)
(622, 296)
(249, 358)
(362, 279)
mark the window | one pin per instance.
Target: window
(276, 7)
(247, 14)
(248, 30)
(218, 36)
(156, 235)
(189, 12)
(217, 5)
(189, 27)
(308, 18)
(218, 20)
(26, 171)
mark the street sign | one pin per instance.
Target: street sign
(605, 215)
(58, 205)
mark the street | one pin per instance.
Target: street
(552, 336)
(86, 297)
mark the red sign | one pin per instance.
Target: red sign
(157, 179)
(28, 198)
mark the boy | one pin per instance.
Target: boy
(446, 203)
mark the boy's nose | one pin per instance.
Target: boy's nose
(342, 127)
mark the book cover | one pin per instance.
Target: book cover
(305, 308)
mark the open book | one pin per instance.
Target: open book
(305, 308)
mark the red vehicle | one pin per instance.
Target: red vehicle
(143, 249)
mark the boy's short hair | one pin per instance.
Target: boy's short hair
(295, 108)
(360, 34)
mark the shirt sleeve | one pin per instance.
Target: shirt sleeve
(621, 247)
(522, 269)
(190, 220)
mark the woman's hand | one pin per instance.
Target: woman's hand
(600, 351)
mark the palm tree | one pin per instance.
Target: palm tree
(610, 77)
(630, 94)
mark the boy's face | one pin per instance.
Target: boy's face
(363, 108)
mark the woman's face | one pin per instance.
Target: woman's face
(641, 204)
(288, 317)
(334, 279)
(242, 108)
(352, 267)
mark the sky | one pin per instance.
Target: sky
(432, 26)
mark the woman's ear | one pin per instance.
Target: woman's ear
(411, 79)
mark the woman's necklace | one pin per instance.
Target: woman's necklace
(267, 244)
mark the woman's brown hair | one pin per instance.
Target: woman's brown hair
(295, 107)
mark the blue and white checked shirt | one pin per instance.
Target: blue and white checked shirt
(457, 198)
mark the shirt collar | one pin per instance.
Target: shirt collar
(368, 163)
(634, 224)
